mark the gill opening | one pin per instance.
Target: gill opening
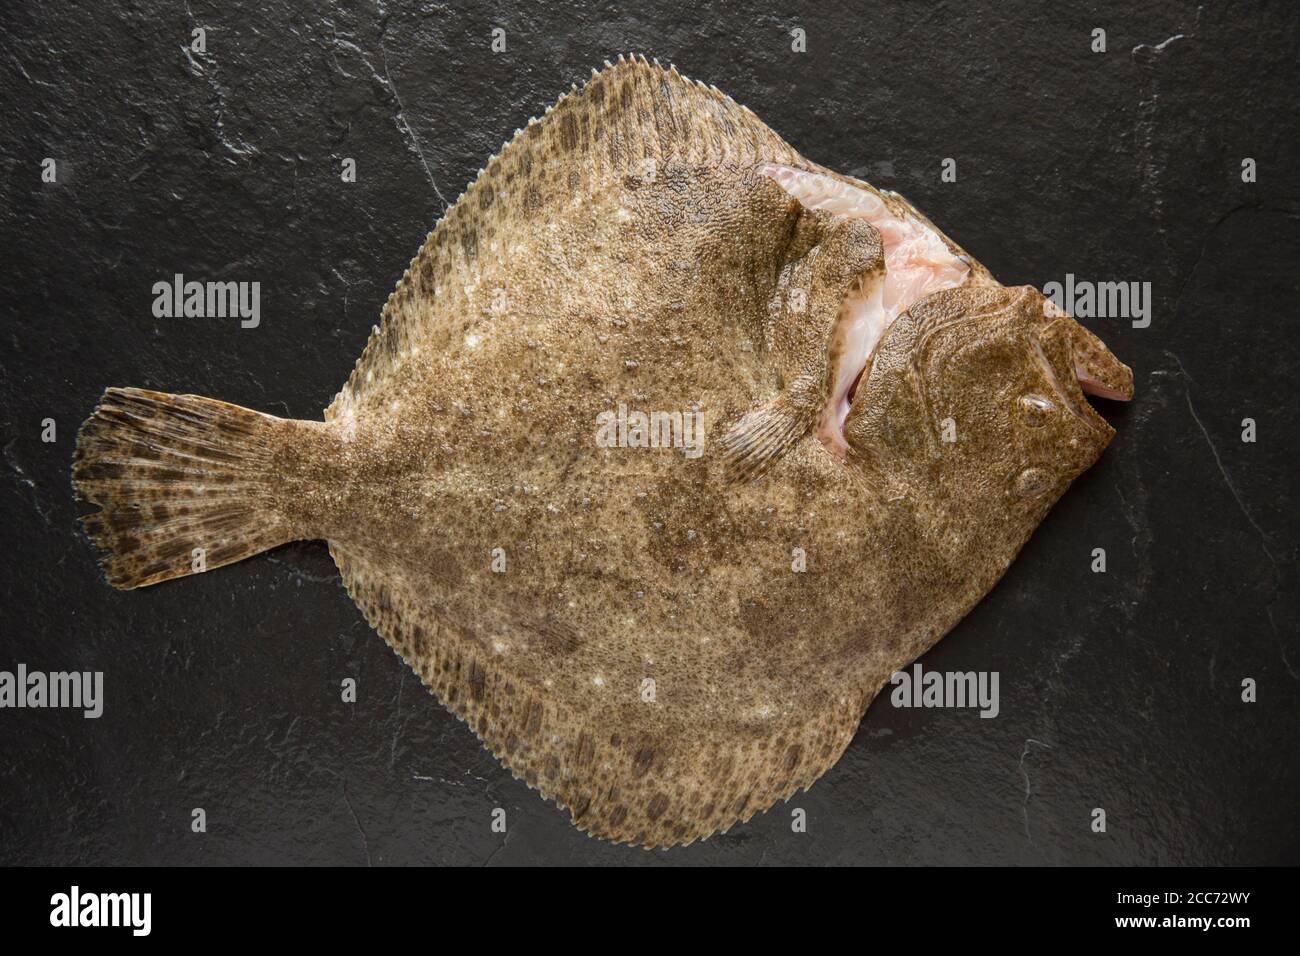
(917, 263)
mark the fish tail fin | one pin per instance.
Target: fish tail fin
(185, 484)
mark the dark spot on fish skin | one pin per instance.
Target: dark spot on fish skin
(419, 640)
(99, 471)
(722, 769)
(642, 761)
(532, 717)
(469, 243)
(763, 621)
(477, 680)
(657, 805)
(120, 520)
(618, 815)
(568, 131)
(792, 758)
(150, 570)
(223, 555)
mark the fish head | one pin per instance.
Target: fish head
(975, 398)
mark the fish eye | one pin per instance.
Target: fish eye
(1031, 483)
(1035, 409)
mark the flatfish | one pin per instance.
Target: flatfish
(671, 447)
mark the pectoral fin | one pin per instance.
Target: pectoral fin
(760, 438)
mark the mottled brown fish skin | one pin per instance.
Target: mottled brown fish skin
(622, 250)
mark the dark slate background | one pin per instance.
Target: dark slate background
(1119, 691)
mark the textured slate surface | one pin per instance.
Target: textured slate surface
(1118, 690)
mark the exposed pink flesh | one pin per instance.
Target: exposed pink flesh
(917, 263)
(863, 324)
(1092, 387)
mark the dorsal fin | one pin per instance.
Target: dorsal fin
(629, 112)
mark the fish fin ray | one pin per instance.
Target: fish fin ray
(762, 437)
(181, 482)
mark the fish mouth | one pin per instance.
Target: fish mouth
(1096, 370)
(1091, 383)
(1093, 387)
(1070, 395)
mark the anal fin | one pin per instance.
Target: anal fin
(627, 780)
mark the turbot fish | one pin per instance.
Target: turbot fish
(671, 447)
